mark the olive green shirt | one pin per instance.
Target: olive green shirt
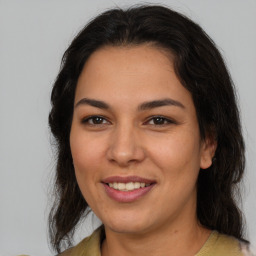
(216, 245)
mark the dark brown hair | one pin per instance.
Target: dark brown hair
(201, 70)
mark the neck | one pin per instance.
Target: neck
(181, 240)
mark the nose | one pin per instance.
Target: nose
(125, 147)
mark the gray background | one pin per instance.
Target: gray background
(33, 37)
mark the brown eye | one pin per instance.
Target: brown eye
(159, 120)
(95, 120)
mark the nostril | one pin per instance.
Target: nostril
(125, 155)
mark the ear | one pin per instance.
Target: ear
(208, 148)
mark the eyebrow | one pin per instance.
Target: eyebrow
(94, 103)
(160, 103)
(144, 106)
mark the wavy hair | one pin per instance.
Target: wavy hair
(201, 70)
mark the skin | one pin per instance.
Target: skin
(128, 141)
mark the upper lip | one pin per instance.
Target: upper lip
(126, 179)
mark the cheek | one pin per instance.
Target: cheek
(87, 159)
(85, 150)
(178, 159)
(87, 155)
(176, 151)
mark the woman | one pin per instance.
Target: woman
(148, 136)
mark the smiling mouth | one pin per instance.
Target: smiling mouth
(129, 186)
(127, 189)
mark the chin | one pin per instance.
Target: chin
(127, 226)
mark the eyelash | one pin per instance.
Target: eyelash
(94, 118)
(166, 121)
(158, 121)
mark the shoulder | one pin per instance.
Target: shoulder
(89, 246)
(66, 252)
(222, 245)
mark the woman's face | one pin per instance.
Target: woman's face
(135, 140)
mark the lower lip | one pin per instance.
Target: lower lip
(126, 196)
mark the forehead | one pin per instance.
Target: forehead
(129, 72)
(128, 59)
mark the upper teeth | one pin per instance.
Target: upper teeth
(127, 186)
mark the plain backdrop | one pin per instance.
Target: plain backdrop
(33, 37)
